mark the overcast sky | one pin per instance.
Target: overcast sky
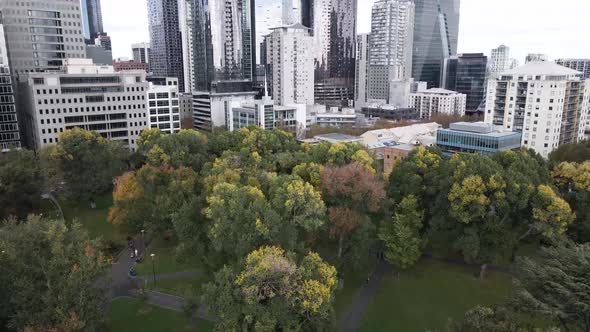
(556, 28)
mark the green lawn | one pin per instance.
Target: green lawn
(164, 260)
(133, 315)
(425, 297)
(186, 287)
(353, 281)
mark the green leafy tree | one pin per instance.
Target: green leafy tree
(493, 320)
(86, 162)
(576, 153)
(54, 275)
(573, 181)
(20, 183)
(187, 148)
(557, 286)
(402, 236)
(271, 292)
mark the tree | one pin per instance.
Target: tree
(86, 162)
(401, 237)
(552, 213)
(498, 319)
(152, 197)
(186, 148)
(270, 292)
(53, 271)
(573, 181)
(557, 285)
(20, 183)
(351, 192)
(576, 153)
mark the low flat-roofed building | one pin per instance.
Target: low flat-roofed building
(477, 137)
(337, 138)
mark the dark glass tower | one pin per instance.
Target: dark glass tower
(224, 43)
(466, 73)
(166, 40)
(91, 18)
(333, 24)
(436, 31)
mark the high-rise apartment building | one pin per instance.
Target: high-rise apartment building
(141, 52)
(581, 65)
(436, 33)
(9, 128)
(91, 19)
(163, 104)
(532, 57)
(87, 96)
(466, 74)
(436, 101)
(333, 24)
(547, 102)
(390, 51)
(290, 71)
(185, 13)
(272, 14)
(166, 40)
(361, 82)
(500, 61)
(41, 34)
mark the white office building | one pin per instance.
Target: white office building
(290, 67)
(323, 116)
(163, 104)
(391, 43)
(213, 109)
(361, 70)
(436, 101)
(264, 114)
(547, 102)
(87, 96)
(41, 34)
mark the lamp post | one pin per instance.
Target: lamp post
(142, 241)
(153, 267)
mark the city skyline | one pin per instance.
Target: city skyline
(528, 27)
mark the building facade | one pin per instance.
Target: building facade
(532, 57)
(581, 65)
(290, 71)
(264, 114)
(41, 34)
(91, 19)
(544, 101)
(213, 109)
(130, 65)
(432, 102)
(165, 40)
(361, 81)
(436, 33)
(86, 96)
(500, 61)
(391, 42)
(333, 25)
(9, 127)
(141, 52)
(476, 137)
(332, 117)
(272, 14)
(466, 74)
(163, 104)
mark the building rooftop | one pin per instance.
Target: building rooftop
(337, 138)
(542, 68)
(438, 91)
(404, 135)
(479, 128)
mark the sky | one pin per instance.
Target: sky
(560, 29)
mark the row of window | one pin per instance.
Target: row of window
(93, 109)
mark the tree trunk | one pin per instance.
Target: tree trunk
(482, 271)
(340, 244)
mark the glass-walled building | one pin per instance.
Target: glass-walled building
(466, 74)
(477, 137)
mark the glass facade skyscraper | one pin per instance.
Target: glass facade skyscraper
(436, 31)
(223, 42)
(165, 40)
(466, 73)
(91, 18)
(333, 24)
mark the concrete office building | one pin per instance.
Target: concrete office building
(212, 109)
(9, 128)
(390, 50)
(332, 116)
(333, 25)
(436, 33)
(533, 57)
(165, 40)
(99, 55)
(500, 61)
(264, 114)
(476, 137)
(163, 104)
(438, 101)
(130, 65)
(41, 34)
(87, 96)
(466, 73)
(581, 65)
(141, 52)
(361, 82)
(186, 111)
(290, 72)
(546, 102)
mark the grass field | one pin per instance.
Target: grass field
(425, 297)
(164, 260)
(133, 315)
(185, 287)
